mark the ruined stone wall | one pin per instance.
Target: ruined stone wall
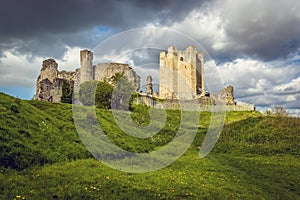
(145, 100)
(99, 71)
(56, 89)
(49, 82)
(199, 107)
(226, 96)
(71, 76)
(49, 71)
(105, 71)
(228, 108)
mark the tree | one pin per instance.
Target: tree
(103, 95)
(115, 93)
(268, 112)
(121, 98)
(96, 93)
(67, 92)
(87, 93)
(116, 77)
(280, 111)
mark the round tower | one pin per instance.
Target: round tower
(86, 65)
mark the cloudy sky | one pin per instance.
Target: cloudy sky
(255, 44)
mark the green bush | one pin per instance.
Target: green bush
(14, 108)
(122, 95)
(67, 92)
(103, 95)
(87, 93)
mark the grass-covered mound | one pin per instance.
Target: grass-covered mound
(34, 133)
(42, 157)
(264, 135)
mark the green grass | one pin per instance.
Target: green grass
(35, 133)
(42, 157)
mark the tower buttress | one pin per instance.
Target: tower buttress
(86, 66)
(163, 76)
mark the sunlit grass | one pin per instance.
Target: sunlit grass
(42, 157)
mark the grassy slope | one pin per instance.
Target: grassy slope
(34, 133)
(256, 157)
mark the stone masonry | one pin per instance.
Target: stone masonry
(181, 78)
(149, 88)
(49, 82)
(181, 73)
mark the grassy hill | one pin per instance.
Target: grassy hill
(42, 157)
(35, 133)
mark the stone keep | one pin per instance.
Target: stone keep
(181, 73)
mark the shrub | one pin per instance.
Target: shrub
(67, 92)
(87, 93)
(14, 108)
(277, 111)
(122, 95)
(103, 95)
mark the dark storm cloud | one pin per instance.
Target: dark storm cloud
(230, 29)
(145, 56)
(44, 27)
(264, 29)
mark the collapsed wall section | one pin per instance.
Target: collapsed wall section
(49, 82)
(105, 72)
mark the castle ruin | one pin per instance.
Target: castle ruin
(181, 78)
(50, 81)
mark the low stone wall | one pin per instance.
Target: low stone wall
(246, 107)
(149, 101)
(228, 108)
(145, 100)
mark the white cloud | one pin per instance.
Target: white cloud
(22, 70)
(70, 60)
(267, 29)
(241, 29)
(291, 87)
(206, 26)
(18, 70)
(263, 83)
